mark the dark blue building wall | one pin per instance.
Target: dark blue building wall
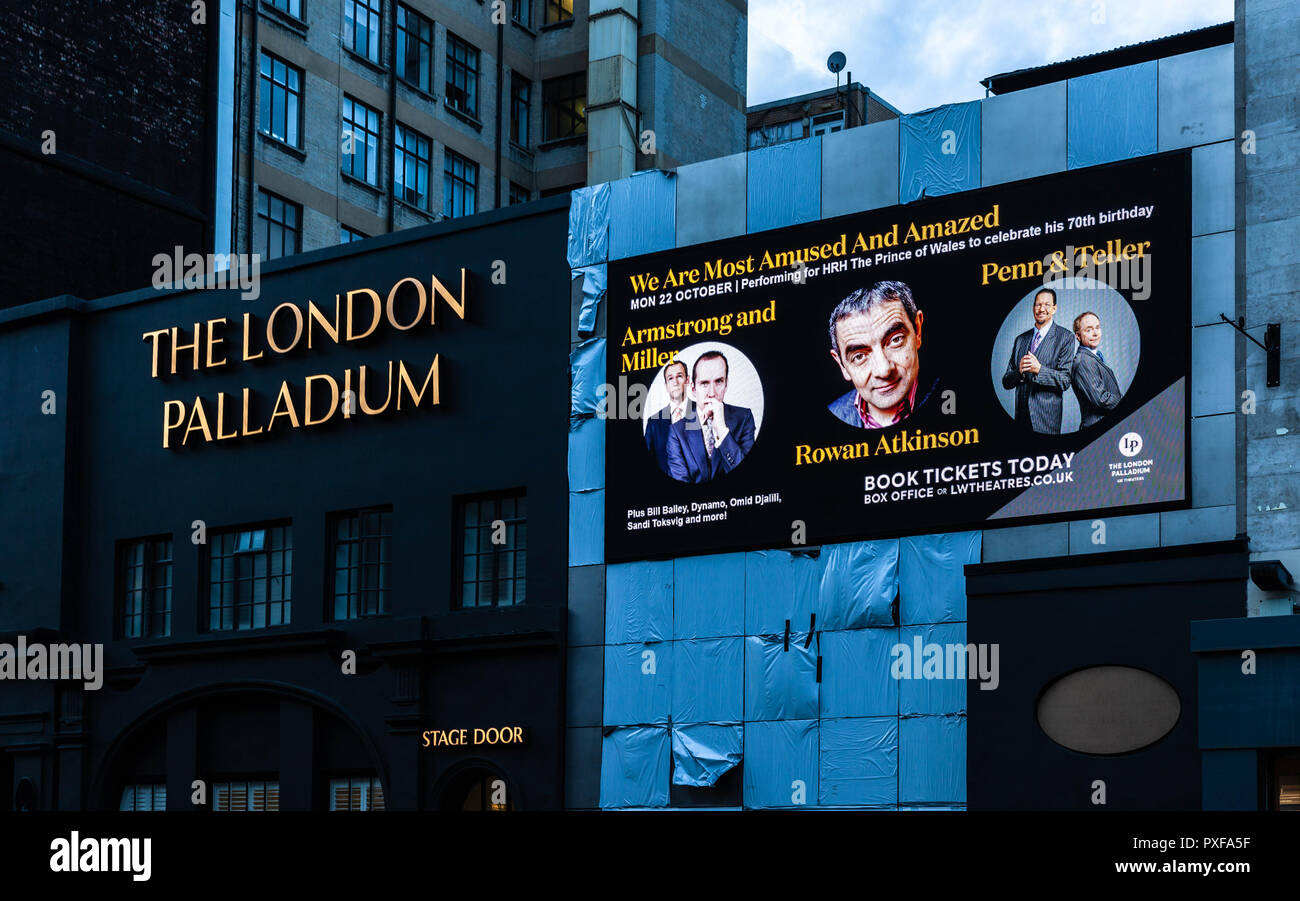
(1059, 615)
(274, 701)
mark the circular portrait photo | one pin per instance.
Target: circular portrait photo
(1065, 356)
(703, 412)
(875, 345)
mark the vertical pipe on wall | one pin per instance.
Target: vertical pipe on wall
(501, 38)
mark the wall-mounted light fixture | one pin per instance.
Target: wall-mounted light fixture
(1272, 348)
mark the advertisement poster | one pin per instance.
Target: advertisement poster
(1012, 354)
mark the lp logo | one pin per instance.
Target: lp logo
(1130, 444)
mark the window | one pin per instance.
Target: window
(828, 123)
(521, 90)
(459, 181)
(362, 552)
(564, 102)
(767, 135)
(360, 141)
(292, 7)
(492, 573)
(364, 793)
(279, 228)
(281, 112)
(518, 194)
(249, 577)
(462, 76)
(361, 27)
(240, 796)
(414, 48)
(521, 11)
(411, 156)
(348, 235)
(145, 580)
(559, 11)
(144, 797)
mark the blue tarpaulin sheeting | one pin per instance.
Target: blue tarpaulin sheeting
(932, 760)
(634, 765)
(781, 764)
(944, 690)
(588, 225)
(932, 578)
(708, 680)
(856, 679)
(785, 184)
(1111, 115)
(780, 585)
(586, 527)
(704, 751)
(642, 214)
(709, 597)
(587, 454)
(594, 283)
(639, 601)
(780, 684)
(587, 373)
(859, 762)
(638, 683)
(859, 584)
(939, 151)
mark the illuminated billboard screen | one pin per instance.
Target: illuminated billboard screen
(1013, 354)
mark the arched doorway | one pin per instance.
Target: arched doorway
(477, 786)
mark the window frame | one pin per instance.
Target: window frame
(374, 10)
(156, 788)
(372, 143)
(350, 235)
(403, 39)
(402, 134)
(261, 217)
(383, 566)
(452, 93)
(267, 100)
(239, 557)
(467, 186)
(518, 193)
(287, 8)
(148, 589)
(556, 14)
(519, 551)
(367, 783)
(247, 783)
(516, 103)
(550, 101)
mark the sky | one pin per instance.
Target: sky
(918, 54)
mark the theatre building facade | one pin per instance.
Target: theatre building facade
(318, 531)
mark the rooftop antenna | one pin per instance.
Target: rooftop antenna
(835, 62)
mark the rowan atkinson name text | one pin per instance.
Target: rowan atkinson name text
(354, 316)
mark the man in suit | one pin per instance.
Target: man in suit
(658, 425)
(1094, 382)
(876, 341)
(1039, 368)
(713, 439)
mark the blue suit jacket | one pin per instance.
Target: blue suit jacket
(688, 461)
(657, 427)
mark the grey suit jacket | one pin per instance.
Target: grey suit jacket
(1095, 386)
(1039, 395)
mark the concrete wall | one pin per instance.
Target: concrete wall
(1267, 250)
